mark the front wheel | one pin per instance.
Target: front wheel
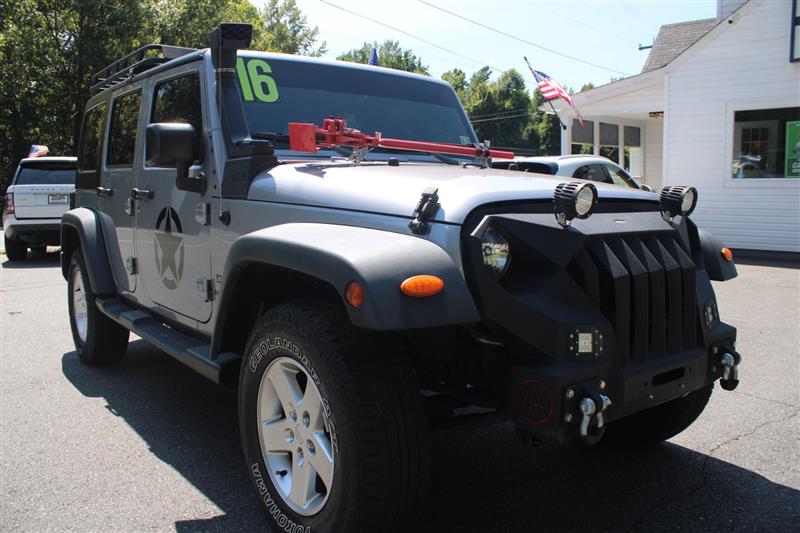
(333, 429)
(658, 423)
(16, 250)
(98, 339)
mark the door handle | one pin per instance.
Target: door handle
(141, 194)
(103, 191)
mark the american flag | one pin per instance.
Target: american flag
(551, 89)
(38, 150)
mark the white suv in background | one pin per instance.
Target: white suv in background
(585, 167)
(39, 194)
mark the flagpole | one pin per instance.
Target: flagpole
(564, 126)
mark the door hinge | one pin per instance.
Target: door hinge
(202, 213)
(205, 288)
(131, 266)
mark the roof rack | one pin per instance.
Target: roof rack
(123, 69)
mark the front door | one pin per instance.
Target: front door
(172, 232)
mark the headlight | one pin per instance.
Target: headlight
(573, 200)
(495, 249)
(677, 200)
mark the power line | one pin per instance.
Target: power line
(482, 115)
(520, 39)
(630, 8)
(409, 34)
(529, 113)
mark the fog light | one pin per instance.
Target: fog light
(573, 200)
(677, 200)
(496, 252)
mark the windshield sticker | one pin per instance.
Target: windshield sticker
(257, 84)
(465, 139)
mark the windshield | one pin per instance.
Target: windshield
(278, 91)
(45, 176)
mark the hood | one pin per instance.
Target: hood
(377, 187)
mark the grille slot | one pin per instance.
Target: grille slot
(644, 285)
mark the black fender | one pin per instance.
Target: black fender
(82, 227)
(379, 260)
(717, 268)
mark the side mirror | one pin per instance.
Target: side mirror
(173, 144)
(645, 187)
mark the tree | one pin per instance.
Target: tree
(283, 28)
(50, 48)
(390, 55)
(457, 79)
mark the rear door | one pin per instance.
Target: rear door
(172, 230)
(116, 179)
(42, 189)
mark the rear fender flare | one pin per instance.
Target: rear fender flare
(379, 260)
(83, 227)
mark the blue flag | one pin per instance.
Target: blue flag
(373, 58)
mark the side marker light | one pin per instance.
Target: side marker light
(422, 286)
(354, 293)
(727, 253)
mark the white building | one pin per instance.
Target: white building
(716, 106)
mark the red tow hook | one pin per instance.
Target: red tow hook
(334, 132)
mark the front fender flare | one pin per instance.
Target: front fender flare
(88, 227)
(717, 268)
(379, 260)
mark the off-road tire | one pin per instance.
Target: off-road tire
(659, 423)
(376, 415)
(16, 250)
(106, 341)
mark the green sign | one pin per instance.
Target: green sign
(792, 157)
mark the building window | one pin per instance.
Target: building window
(794, 51)
(609, 141)
(634, 162)
(766, 143)
(582, 137)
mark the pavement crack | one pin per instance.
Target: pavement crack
(752, 431)
(757, 397)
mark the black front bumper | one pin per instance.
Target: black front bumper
(637, 283)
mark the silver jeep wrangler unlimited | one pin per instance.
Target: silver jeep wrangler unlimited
(361, 296)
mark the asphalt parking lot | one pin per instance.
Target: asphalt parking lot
(149, 445)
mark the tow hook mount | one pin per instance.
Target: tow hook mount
(730, 361)
(589, 408)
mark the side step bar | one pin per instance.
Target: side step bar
(190, 351)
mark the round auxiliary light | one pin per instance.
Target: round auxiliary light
(496, 252)
(677, 200)
(573, 199)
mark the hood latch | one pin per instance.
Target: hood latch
(427, 206)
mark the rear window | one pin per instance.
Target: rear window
(45, 176)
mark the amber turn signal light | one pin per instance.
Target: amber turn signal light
(354, 293)
(422, 286)
(727, 254)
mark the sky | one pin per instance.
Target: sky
(601, 32)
